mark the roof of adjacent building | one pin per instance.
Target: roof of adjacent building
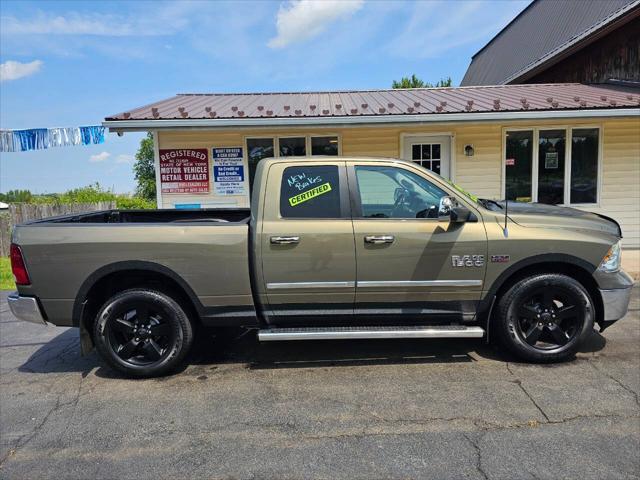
(390, 104)
(541, 34)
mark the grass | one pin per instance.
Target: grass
(6, 277)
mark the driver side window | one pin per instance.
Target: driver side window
(391, 192)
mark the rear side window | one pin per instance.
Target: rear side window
(310, 192)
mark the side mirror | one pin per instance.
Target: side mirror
(460, 215)
(444, 208)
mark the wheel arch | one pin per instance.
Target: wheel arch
(569, 265)
(119, 276)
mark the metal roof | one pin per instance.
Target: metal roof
(379, 106)
(540, 34)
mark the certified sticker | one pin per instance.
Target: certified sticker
(309, 194)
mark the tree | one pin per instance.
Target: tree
(144, 169)
(415, 82)
(16, 196)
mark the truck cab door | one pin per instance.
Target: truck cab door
(306, 243)
(412, 267)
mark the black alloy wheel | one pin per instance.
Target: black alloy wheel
(543, 317)
(142, 333)
(549, 319)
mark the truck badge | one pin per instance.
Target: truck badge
(467, 260)
(500, 258)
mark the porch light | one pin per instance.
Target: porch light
(468, 150)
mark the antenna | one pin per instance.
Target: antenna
(505, 230)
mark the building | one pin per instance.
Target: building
(550, 41)
(567, 144)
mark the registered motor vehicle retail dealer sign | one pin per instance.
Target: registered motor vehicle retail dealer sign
(228, 171)
(184, 170)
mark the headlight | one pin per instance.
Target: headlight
(611, 261)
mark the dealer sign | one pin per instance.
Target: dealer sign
(184, 170)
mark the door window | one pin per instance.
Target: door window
(390, 192)
(310, 192)
(428, 155)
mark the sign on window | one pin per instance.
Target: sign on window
(184, 170)
(228, 171)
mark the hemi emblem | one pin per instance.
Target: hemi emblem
(500, 258)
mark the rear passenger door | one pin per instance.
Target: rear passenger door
(308, 252)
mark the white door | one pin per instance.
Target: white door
(433, 153)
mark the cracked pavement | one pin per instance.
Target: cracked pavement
(361, 409)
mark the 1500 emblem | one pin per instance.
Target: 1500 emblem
(467, 260)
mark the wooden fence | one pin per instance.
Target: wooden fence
(18, 213)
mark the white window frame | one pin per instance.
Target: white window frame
(276, 144)
(567, 163)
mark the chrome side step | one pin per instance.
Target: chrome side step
(345, 333)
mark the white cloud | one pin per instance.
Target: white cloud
(124, 158)
(166, 19)
(300, 20)
(99, 157)
(12, 70)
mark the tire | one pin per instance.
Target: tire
(544, 318)
(142, 333)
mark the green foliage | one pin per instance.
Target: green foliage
(6, 277)
(14, 196)
(415, 82)
(144, 169)
(134, 203)
(89, 194)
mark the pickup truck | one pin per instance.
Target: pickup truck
(331, 248)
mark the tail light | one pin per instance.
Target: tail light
(18, 267)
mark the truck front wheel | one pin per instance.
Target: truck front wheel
(142, 333)
(544, 318)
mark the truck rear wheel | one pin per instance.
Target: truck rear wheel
(142, 333)
(544, 318)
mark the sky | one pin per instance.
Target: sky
(68, 64)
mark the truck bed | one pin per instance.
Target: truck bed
(207, 249)
(233, 215)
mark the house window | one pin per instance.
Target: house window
(324, 146)
(292, 146)
(565, 171)
(551, 148)
(428, 155)
(257, 149)
(518, 163)
(584, 165)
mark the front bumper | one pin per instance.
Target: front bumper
(25, 308)
(615, 303)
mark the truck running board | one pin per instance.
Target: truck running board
(345, 333)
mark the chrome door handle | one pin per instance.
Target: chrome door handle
(285, 240)
(379, 239)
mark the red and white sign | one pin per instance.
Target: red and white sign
(184, 170)
(510, 162)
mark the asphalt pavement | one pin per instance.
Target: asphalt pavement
(354, 410)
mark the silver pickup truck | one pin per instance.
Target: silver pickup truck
(332, 248)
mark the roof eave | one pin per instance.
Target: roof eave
(578, 43)
(363, 120)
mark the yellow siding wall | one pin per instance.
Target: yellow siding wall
(620, 184)
(480, 174)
